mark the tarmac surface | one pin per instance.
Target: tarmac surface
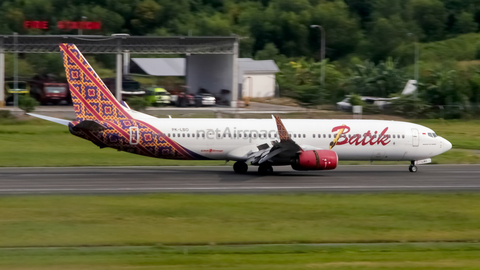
(222, 179)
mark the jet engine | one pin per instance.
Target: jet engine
(315, 160)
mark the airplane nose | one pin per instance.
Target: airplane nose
(446, 145)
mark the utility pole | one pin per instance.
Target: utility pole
(15, 70)
(80, 27)
(322, 51)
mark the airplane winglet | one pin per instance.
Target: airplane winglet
(282, 131)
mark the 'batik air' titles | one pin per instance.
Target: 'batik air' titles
(368, 138)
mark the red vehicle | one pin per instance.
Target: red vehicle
(48, 91)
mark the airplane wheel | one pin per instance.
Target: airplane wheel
(240, 167)
(412, 168)
(265, 169)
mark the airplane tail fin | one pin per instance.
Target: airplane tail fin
(90, 96)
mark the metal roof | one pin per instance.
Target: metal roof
(176, 66)
(248, 65)
(120, 43)
(159, 66)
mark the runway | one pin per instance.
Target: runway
(114, 180)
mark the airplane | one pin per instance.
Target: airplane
(303, 144)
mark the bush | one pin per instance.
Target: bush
(356, 100)
(371, 109)
(27, 103)
(138, 103)
(409, 106)
(4, 114)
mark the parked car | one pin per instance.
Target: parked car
(46, 90)
(204, 99)
(159, 94)
(130, 87)
(23, 88)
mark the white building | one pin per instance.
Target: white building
(257, 78)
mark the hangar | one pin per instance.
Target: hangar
(211, 62)
(256, 78)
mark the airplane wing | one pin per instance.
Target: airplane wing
(283, 150)
(286, 147)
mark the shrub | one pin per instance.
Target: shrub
(27, 103)
(4, 114)
(138, 103)
(409, 106)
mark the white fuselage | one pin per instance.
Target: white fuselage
(232, 139)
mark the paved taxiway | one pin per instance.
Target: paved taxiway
(223, 179)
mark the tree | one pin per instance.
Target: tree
(380, 80)
(431, 16)
(269, 52)
(465, 23)
(342, 31)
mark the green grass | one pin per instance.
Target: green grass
(41, 143)
(461, 133)
(398, 256)
(179, 219)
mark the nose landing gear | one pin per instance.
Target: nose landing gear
(412, 167)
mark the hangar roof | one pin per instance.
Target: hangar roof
(159, 66)
(119, 43)
(176, 66)
(248, 65)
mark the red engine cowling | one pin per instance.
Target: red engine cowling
(316, 160)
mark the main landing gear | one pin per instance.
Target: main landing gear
(265, 169)
(240, 167)
(412, 167)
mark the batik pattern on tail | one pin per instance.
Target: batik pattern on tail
(93, 101)
(91, 98)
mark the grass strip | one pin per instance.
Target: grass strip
(186, 218)
(398, 256)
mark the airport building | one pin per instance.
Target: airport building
(210, 62)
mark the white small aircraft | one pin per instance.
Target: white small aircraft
(303, 144)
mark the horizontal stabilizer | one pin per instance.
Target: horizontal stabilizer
(89, 125)
(51, 119)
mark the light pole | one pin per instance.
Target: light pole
(15, 70)
(322, 52)
(81, 25)
(416, 72)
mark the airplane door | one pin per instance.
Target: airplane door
(134, 135)
(414, 137)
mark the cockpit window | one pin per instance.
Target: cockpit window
(433, 135)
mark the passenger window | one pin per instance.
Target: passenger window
(183, 135)
(394, 136)
(188, 135)
(324, 136)
(304, 136)
(403, 136)
(314, 136)
(168, 134)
